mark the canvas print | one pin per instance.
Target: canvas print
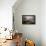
(28, 19)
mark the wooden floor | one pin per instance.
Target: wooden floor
(9, 43)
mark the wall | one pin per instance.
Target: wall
(43, 22)
(28, 7)
(6, 13)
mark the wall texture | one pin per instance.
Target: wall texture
(6, 13)
(28, 7)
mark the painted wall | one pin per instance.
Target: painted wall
(36, 32)
(6, 13)
(28, 7)
(43, 22)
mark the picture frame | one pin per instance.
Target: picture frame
(28, 19)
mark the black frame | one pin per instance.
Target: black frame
(28, 19)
